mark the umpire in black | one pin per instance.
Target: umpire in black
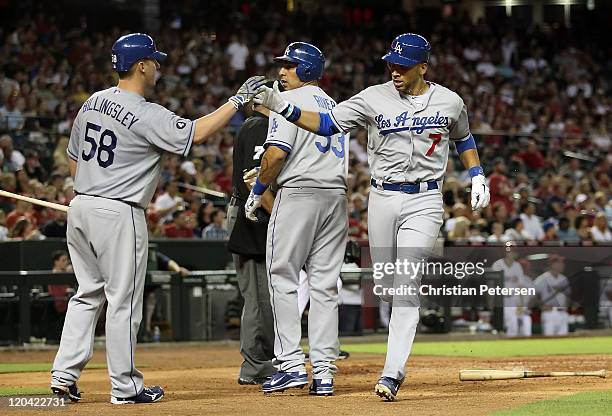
(247, 244)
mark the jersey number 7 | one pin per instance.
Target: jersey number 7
(437, 137)
(100, 147)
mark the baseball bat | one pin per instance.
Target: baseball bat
(202, 190)
(480, 375)
(34, 201)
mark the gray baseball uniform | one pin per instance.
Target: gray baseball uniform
(408, 142)
(308, 226)
(553, 292)
(117, 139)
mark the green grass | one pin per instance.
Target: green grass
(585, 403)
(36, 367)
(25, 391)
(499, 348)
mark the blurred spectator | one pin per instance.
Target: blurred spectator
(459, 210)
(497, 233)
(181, 225)
(475, 234)
(532, 157)
(204, 216)
(25, 230)
(168, 202)
(56, 228)
(532, 223)
(22, 209)
(216, 230)
(3, 229)
(517, 231)
(12, 160)
(550, 231)
(238, 53)
(600, 231)
(33, 167)
(500, 185)
(461, 230)
(11, 113)
(582, 228)
(565, 232)
(61, 264)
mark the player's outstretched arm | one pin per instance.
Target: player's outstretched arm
(211, 123)
(318, 123)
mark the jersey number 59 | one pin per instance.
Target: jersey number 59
(101, 146)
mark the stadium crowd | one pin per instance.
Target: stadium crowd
(539, 106)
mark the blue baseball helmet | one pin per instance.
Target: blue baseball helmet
(309, 59)
(131, 48)
(408, 49)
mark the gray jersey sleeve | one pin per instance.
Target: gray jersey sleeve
(166, 130)
(281, 133)
(460, 129)
(75, 135)
(354, 112)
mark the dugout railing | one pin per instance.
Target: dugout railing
(195, 305)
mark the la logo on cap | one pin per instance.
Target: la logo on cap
(398, 48)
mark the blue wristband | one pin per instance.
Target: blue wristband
(475, 171)
(466, 144)
(259, 188)
(291, 113)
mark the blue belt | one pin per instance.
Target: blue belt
(407, 188)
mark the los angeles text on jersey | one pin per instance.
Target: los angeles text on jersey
(402, 122)
(444, 290)
(112, 109)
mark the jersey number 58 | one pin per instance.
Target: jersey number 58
(100, 146)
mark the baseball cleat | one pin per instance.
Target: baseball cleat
(282, 381)
(67, 392)
(147, 395)
(245, 381)
(322, 387)
(387, 388)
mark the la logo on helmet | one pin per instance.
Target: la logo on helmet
(398, 48)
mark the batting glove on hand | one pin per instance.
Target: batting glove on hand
(250, 177)
(247, 91)
(480, 192)
(271, 99)
(253, 202)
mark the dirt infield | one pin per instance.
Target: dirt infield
(202, 380)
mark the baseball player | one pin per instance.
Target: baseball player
(410, 124)
(115, 149)
(552, 289)
(308, 225)
(516, 313)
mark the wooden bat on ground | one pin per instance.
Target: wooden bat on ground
(34, 201)
(480, 375)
